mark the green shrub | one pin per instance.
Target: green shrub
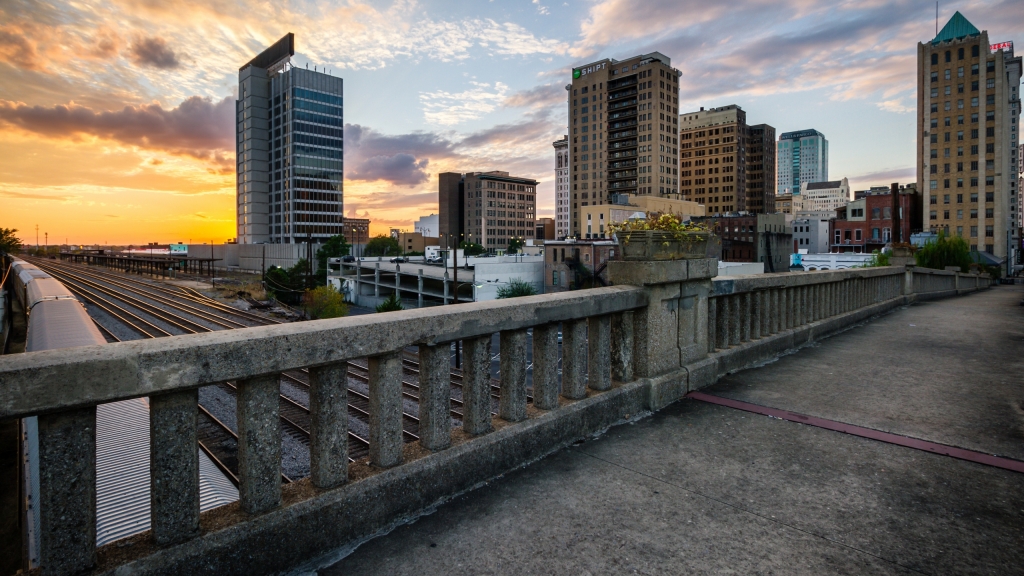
(392, 304)
(324, 302)
(472, 248)
(944, 251)
(877, 259)
(516, 288)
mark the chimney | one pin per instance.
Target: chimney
(701, 108)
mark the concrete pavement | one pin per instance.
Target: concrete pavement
(699, 488)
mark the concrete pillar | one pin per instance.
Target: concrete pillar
(621, 346)
(476, 385)
(385, 409)
(376, 280)
(259, 444)
(747, 310)
(398, 281)
(816, 302)
(599, 331)
(736, 314)
(174, 466)
(712, 324)
(328, 434)
(574, 359)
(419, 288)
(512, 401)
(545, 366)
(722, 330)
(67, 491)
(435, 429)
(359, 282)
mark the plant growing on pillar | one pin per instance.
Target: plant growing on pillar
(661, 237)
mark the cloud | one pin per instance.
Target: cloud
(33, 196)
(543, 96)
(399, 159)
(447, 108)
(198, 127)
(153, 52)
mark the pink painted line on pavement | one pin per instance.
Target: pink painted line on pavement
(935, 448)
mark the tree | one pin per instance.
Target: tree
(324, 302)
(9, 243)
(471, 248)
(287, 285)
(515, 288)
(944, 251)
(392, 304)
(335, 247)
(382, 246)
(515, 244)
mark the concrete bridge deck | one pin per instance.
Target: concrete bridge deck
(702, 488)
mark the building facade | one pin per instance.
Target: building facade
(822, 196)
(784, 203)
(726, 164)
(967, 119)
(563, 208)
(712, 159)
(289, 150)
(866, 224)
(802, 157)
(356, 230)
(486, 208)
(624, 130)
(763, 238)
(811, 235)
(427, 225)
(760, 196)
(545, 229)
(572, 264)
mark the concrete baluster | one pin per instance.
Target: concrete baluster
(419, 287)
(385, 409)
(574, 359)
(435, 428)
(67, 491)
(328, 416)
(376, 281)
(735, 319)
(545, 366)
(476, 385)
(723, 322)
(599, 332)
(622, 346)
(259, 444)
(712, 324)
(756, 310)
(512, 402)
(747, 310)
(174, 466)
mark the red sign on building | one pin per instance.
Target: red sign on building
(1008, 46)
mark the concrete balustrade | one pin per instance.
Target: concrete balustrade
(663, 329)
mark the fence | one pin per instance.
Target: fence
(663, 329)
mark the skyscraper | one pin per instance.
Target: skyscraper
(289, 150)
(623, 118)
(562, 212)
(803, 157)
(968, 106)
(717, 152)
(486, 208)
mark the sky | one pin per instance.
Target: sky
(117, 117)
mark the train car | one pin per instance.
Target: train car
(23, 274)
(56, 319)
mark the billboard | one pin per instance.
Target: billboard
(179, 249)
(1008, 46)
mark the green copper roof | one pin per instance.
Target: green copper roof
(957, 27)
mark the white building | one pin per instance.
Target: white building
(562, 222)
(428, 226)
(810, 235)
(822, 197)
(802, 157)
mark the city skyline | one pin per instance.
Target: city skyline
(118, 121)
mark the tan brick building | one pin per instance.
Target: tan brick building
(487, 208)
(967, 118)
(624, 130)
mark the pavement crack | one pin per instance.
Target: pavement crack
(771, 519)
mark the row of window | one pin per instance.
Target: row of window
(973, 215)
(989, 197)
(989, 149)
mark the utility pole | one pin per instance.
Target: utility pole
(37, 237)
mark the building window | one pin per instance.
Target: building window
(974, 232)
(857, 234)
(989, 231)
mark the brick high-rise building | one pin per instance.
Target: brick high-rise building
(563, 196)
(726, 164)
(968, 106)
(486, 208)
(623, 119)
(761, 169)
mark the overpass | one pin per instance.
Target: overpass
(664, 330)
